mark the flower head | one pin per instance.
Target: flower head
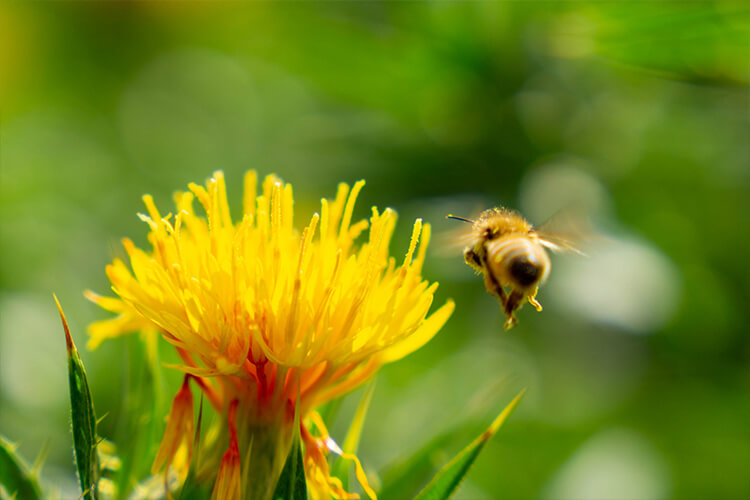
(267, 318)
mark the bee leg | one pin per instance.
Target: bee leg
(473, 260)
(494, 288)
(534, 302)
(512, 304)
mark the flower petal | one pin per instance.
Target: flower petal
(179, 431)
(228, 483)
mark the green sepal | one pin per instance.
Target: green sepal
(83, 420)
(445, 482)
(15, 475)
(292, 484)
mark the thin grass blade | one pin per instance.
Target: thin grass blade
(143, 408)
(83, 418)
(407, 477)
(445, 482)
(351, 442)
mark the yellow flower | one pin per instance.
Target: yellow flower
(270, 320)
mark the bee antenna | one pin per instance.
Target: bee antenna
(462, 219)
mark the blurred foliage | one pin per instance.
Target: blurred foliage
(638, 108)
(16, 480)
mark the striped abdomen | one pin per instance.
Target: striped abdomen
(517, 261)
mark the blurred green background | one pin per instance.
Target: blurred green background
(638, 370)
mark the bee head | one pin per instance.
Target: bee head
(489, 233)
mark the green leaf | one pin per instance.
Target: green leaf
(141, 423)
(351, 442)
(82, 417)
(292, 485)
(15, 475)
(405, 478)
(450, 476)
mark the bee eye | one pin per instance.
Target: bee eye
(524, 272)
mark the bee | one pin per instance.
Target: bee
(511, 254)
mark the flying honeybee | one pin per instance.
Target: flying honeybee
(511, 254)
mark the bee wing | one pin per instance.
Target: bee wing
(566, 231)
(560, 242)
(450, 243)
